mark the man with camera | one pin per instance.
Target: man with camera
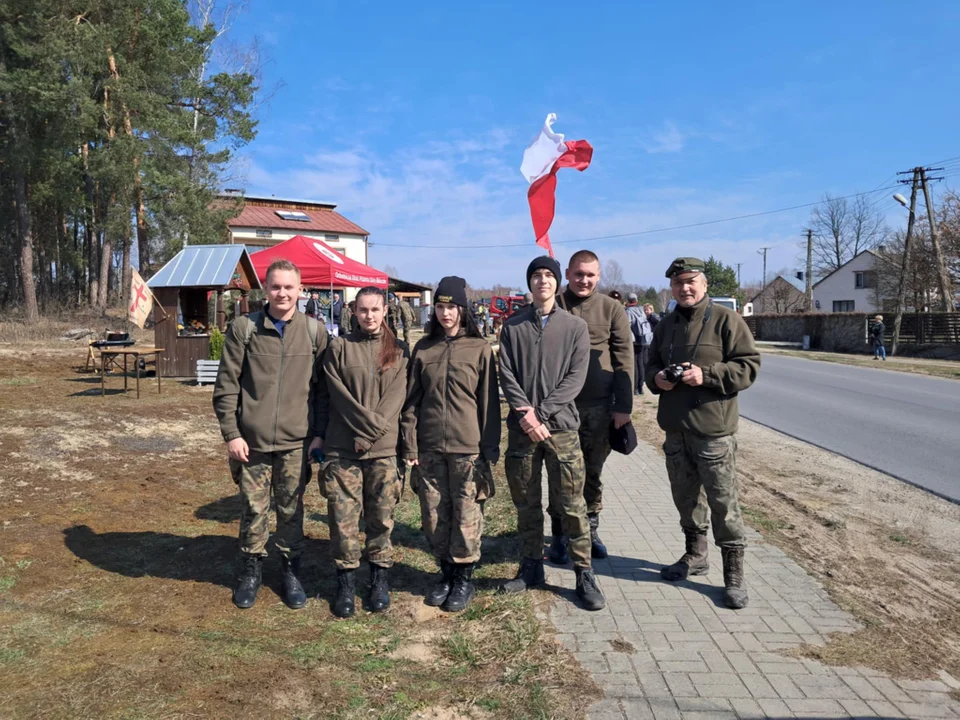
(701, 357)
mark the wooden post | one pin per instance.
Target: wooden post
(905, 266)
(943, 279)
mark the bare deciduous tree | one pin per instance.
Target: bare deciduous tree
(611, 278)
(842, 230)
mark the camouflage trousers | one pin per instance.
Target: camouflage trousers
(698, 466)
(452, 490)
(352, 486)
(283, 475)
(564, 460)
(595, 445)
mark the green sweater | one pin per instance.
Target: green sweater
(610, 373)
(727, 356)
(365, 403)
(453, 404)
(271, 391)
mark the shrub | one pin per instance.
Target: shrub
(216, 344)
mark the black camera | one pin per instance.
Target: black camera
(673, 373)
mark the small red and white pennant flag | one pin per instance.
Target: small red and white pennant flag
(546, 154)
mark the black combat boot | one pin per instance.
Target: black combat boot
(693, 562)
(293, 593)
(734, 589)
(558, 548)
(438, 593)
(463, 589)
(344, 604)
(529, 575)
(589, 591)
(248, 582)
(379, 589)
(598, 551)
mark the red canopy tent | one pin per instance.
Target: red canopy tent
(320, 265)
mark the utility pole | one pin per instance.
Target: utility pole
(943, 279)
(809, 276)
(738, 275)
(905, 263)
(763, 280)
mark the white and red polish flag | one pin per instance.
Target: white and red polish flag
(541, 160)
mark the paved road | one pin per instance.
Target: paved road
(905, 425)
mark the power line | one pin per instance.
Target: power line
(641, 232)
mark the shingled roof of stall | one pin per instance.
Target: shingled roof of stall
(210, 266)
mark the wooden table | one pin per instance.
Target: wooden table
(137, 353)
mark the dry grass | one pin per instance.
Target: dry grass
(918, 366)
(50, 327)
(118, 551)
(886, 552)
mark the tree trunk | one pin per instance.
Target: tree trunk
(26, 245)
(125, 274)
(106, 260)
(89, 228)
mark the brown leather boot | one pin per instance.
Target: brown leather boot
(693, 562)
(734, 589)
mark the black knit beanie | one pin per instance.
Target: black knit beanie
(452, 289)
(547, 262)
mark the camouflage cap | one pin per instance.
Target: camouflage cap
(685, 265)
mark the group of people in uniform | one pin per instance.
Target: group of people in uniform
(364, 407)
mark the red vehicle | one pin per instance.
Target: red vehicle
(503, 306)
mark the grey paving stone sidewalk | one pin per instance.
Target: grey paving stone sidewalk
(664, 650)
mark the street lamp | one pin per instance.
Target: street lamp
(901, 199)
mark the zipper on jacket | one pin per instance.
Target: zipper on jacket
(446, 389)
(276, 417)
(539, 345)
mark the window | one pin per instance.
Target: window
(295, 215)
(859, 280)
(331, 238)
(843, 305)
(264, 233)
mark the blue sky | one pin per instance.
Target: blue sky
(413, 118)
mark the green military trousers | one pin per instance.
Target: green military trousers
(283, 475)
(696, 462)
(350, 486)
(452, 489)
(524, 464)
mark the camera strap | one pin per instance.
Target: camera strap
(696, 347)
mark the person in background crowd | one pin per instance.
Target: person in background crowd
(642, 331)
(876, 335)
(607, 395)
(336, 311)
(366, 375)
(313, 305)
(701, 358)
(267, 425)
(544, 356)
(651, 314)
(451, 430)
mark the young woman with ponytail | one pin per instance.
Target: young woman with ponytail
(451, 432)
(366, 374)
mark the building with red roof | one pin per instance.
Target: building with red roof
(266, 221)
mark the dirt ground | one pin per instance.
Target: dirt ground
(885, 551)
(118, 524)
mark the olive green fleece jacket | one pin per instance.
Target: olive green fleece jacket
(365, 402)
(727, 356)
(610, 374)
(272, 391)
(453, 401)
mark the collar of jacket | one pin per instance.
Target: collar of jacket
(268, 319)
(362, 334)
(538, 313)
(572, 300)
(696, 312)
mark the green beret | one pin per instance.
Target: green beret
(685, 265)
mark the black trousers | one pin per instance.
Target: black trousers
(640, 355)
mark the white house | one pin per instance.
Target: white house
(852, 287)
(266, 221)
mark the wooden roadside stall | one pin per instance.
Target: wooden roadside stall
(183, 288)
